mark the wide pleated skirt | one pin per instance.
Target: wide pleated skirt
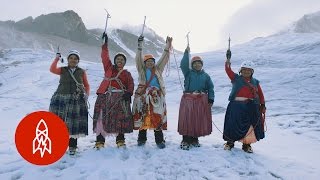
(241, 120)
(195, 117)
(73, 111)
(112, 115)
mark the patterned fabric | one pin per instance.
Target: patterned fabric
(240, 116)
(116, 116)
(73, 111)
(195, 117)
(149, 110)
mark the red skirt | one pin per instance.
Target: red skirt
(195, 117)
(114, 113)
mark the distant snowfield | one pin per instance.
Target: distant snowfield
(290, 80)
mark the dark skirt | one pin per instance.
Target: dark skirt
(116, 116)
(195, 117)
(73, 111)
(240, 115)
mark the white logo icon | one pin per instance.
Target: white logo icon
(42, 141)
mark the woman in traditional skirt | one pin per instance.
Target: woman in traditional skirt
(149, 105)
(69, 101)
(243, 120)
(112, 113)
(195, 118)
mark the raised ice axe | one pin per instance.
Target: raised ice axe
(144, 24)
(228, 54)
(105, 27)
(108, 16)
(58, 52)
(187, 36)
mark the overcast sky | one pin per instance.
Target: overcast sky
(210, 21)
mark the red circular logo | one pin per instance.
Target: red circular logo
(42, 138)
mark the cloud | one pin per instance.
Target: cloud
(265, 17)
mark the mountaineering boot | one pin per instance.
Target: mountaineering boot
(161, 145)
(195, 142)
(99, 145)
(72, 150)
(141, 143)
(158, 135)
(185, 145)
(229, 145)
(120, 141)
(72, 146)
(247, 148)
(142, 137)
(99, 142)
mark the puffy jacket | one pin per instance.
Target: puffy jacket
(196, 80)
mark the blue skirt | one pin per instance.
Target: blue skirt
(239, 117)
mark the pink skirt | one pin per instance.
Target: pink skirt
(195, 117)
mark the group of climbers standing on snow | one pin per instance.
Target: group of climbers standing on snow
(113, 114)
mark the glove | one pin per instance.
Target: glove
(169, 41)
(188, 49)
(263, 108)
(126, 96)
(228, 54)
(140, 40)
(58, 55)
(210, 102)
(105, 37)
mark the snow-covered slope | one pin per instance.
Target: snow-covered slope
(286, 64)
(308, 23)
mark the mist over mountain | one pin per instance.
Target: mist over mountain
(309, 23)
(67, 30)
(286, 64)
(299, 40)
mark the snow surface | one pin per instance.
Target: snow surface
(287, 66)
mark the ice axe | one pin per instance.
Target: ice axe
(105, 27)
(187, 36)
(228, 54)
(58, 52)
(144, 24)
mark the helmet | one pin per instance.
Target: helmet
(148, 56)
(119, 54)
(74, 52)
(247, 64)
(196, 58)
